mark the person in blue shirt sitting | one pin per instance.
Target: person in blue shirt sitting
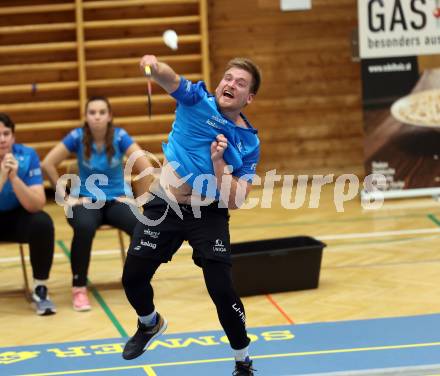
(22, 220)
(99, 195)
(210, 161)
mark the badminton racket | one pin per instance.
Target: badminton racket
(147, 70)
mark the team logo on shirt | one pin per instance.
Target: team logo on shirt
(216, 122)
(213, 124)
(219, 119)
(114, 162)
(86, 163)
(35, 172)
(75, 133)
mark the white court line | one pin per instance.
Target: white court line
(396, 371)
(358, 235)
(102, 252)
(378, 234)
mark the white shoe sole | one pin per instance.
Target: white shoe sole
(161, 330)
(82, 309)
(46, 312)
(42, 312)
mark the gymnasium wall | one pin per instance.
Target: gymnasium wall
(56, 53)
(308, 111)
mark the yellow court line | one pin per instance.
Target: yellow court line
(149, 371)
(149, 368)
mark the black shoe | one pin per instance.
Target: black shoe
(244, 368)
(144, 335)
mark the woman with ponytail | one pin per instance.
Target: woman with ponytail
(99, 196)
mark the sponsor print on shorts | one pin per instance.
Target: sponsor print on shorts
(219, 246)
(144, 244)
(152, 234)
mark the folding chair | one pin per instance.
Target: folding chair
(26, 288)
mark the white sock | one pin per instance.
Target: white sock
(39, 282)
(148, 320)
(241, 355)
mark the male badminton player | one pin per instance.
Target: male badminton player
(215, 149)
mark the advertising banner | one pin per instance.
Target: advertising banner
(400, 62)
(398, 28)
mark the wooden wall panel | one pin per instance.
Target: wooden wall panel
(54, 54)
(308, 110)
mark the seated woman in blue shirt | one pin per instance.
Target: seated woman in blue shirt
(100, 148)
(22, 220)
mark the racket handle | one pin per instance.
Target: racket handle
(147, 71)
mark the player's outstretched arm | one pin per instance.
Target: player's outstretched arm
(161, 72)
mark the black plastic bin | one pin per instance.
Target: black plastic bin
(276, 265)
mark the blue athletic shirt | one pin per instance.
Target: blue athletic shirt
(99, 164)
(29, 172)
(198, 121)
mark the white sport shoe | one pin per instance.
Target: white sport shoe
(43, 305)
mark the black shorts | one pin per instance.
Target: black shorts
(206, 228)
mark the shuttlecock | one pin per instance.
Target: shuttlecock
(170, 39)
